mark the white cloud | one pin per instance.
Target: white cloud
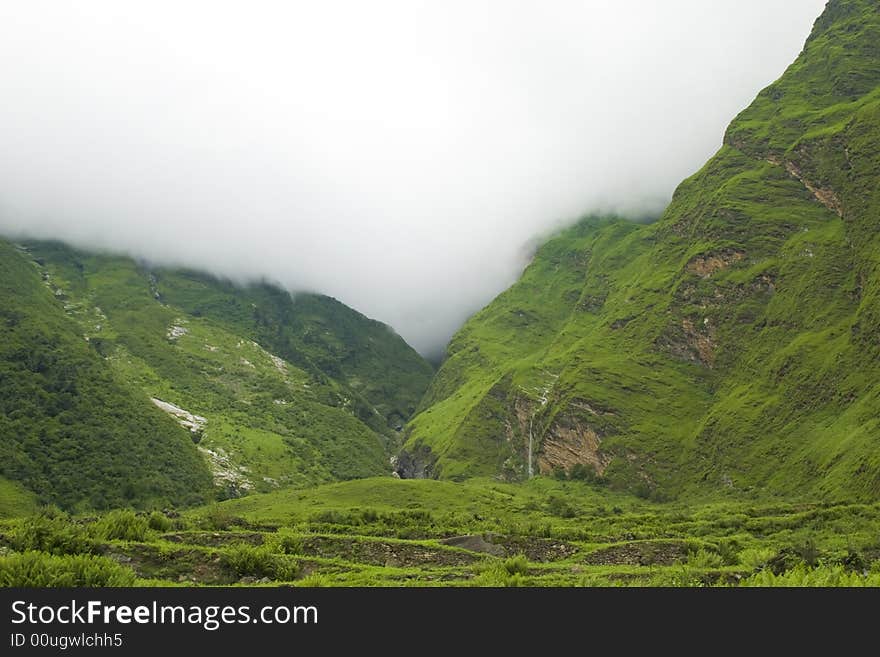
(395, 154)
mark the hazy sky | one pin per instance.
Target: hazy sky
(398, 155)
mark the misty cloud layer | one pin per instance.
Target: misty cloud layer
(398, 155)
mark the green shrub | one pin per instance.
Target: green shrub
(508, 573)
(258, 562)
(642, 490)
(756, 558)
(853, 560)
(159, 522)
(704, 559)
(331, 517)
(497, 576)
(40, 569)
(284, 543)
(369, 516)
(560, 507)
(409, 518)
(675, 576)
(123, 525)
(314, 580)
(729, 552)
(50, 531)
(803, 575)
(517, 565)
(581, 472)
(218, 518)
(808, 552)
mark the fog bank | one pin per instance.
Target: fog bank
(398, 155)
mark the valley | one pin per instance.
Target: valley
(693, 401)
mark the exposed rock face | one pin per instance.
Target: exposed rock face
(706, 265)
(724, 335)
(232, 478)
(825, 196)
(570, 443)
(415, 464)
(700, 340)
(176, 330)
(195, 423)
(279, 364)
(690, 341)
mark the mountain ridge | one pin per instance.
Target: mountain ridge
(65, 435)
(730, 346)
(274, 390)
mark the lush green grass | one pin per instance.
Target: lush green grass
(40, 570)
(459, 503)
(15, 500)
(730, 347)
(388, 532)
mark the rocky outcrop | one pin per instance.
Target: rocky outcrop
(195, 423)
(569, 443)
(177, 330)
(825, 195)
(233, 479)
(700, 340)
(706, 265)
(690, 341)
(475, 544)
(417, 463)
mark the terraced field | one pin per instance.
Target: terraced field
(389, 532)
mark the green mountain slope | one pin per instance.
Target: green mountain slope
(316, 333)
(731, 346)
(71, 429)
(276, 390)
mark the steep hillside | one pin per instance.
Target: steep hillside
(731, 346)
(71, 429)
(276, 391)
(314, 332)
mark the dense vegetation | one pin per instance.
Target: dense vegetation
(71, 429)
(384, 375)
(732, 346)
(78, 426)
(388, 532)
